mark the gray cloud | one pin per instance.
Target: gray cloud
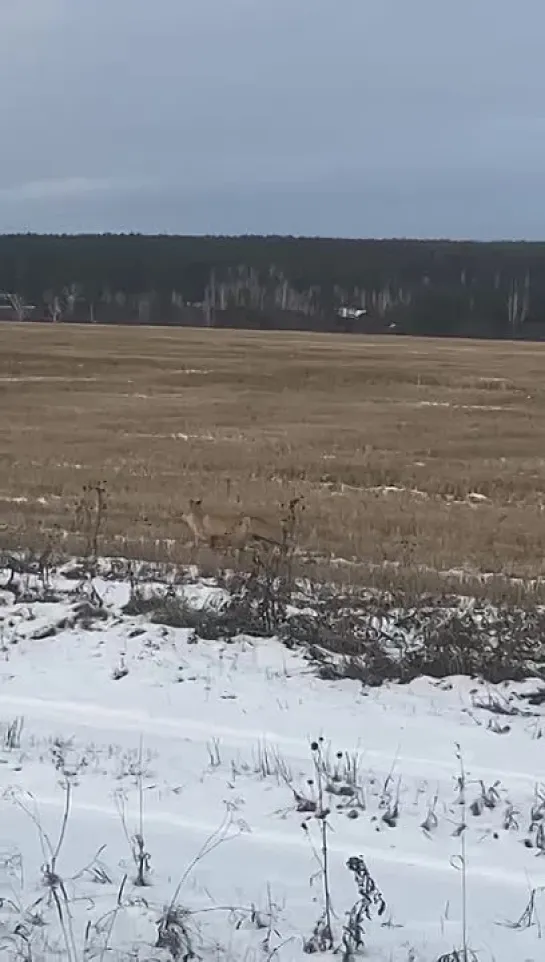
(353, 117)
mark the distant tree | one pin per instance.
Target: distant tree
(426, 287)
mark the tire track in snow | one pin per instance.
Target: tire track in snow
(101, 718)
(271, 839)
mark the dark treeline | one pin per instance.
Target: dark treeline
(402, 286)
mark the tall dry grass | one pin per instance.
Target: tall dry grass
(411, 455)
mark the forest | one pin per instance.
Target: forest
(433, 287)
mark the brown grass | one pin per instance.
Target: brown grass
(421, 454)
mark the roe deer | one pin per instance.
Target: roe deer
(236, 528)
(259, 529)
(211, 526)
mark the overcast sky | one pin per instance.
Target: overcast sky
(336, 117)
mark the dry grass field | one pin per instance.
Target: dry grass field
(420, 461)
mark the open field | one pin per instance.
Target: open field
(410, 454)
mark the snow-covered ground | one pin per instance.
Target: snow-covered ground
(126, 728)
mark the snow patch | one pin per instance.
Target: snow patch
(458, 407)
(211, 740)
(192, 370)
(31, 378)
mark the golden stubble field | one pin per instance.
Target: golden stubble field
(415, 457)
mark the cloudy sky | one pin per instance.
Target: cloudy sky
(336, 117)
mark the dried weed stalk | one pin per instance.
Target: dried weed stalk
(90, 517)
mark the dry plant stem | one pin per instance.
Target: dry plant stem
(53, 881)
(45, 839)
(530, 914)
(142, 859)
(322, 814)
(267, 940)
(445, 476)
(64, 823)
(463, 860)
(65, 923)
(90, 516)
(212, 842)
(136, 842)
(56, 883)
(115, 913)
